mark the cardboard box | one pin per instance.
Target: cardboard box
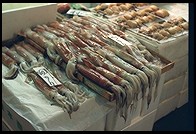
(167, 106)
(184, 97)
(172, 87)
(144, 123)
(180, 68)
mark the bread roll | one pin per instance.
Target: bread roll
(164, 33)
(154, 8)
(162, 13)
(184, 25)
(132, 23)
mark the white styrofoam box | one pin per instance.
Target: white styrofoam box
(5, 126)
(144, 123)
(116, 123)
(183, 98)
(98, 125)
(154, 102)
(170, 50)
(14, 120)
(172, 87)
(167, 106)
(13, 21)
(180, 67)
(185, 84)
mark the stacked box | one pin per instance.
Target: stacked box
(185, 84)
(177, 52)
(184, 93)
(172, 87)
(144, 123)
(183, 98)
(14, 120)
(176, 80)
(167, 106)
(116, 123)
(180, 68)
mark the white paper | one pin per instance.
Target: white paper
(33, 106)
(47, 76)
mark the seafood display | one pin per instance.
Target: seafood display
(23, 57)
(148, 20)
(22, 63)
(112, 9)
(80, 52)
(82, 48)
(165, 30)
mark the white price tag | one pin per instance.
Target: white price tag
(47, 76)
(79, 12)
(119, 40)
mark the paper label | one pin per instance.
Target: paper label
(47, 76)
(119, 40)
(78, 12)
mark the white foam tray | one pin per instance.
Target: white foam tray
(17, 19)
(144, 123)
(184, 96)
(186, 81)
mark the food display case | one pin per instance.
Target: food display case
(86, 74)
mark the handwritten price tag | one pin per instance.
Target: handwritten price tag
(47, 76)
(120, 41)
(78, 12)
